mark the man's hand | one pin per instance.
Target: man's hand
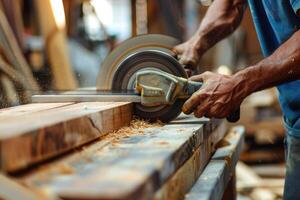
(220, 20)
(219, 96)
(188, 52)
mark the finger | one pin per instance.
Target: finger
(213, 111)
(193, 102)
(201, 109)
(188, 61)
(176, 51)
(197, 78)
(201, 77)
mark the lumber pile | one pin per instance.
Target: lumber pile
(258, 187)
(133, 166)
(16, 80)
(95, 150)
(265, 132)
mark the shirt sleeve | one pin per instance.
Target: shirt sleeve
(295, 5)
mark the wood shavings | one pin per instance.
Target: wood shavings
(136, 127)
(65, 168)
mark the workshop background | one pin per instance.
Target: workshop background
(60, 45)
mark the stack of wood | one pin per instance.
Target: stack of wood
(265, 182)
(16, 80)
(265, 131)
(78, 151)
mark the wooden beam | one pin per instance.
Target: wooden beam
(13, 54)
(12, 190)
(216, 175)
(246, 176)
(133, 167)
(52, 24)
(185, 177)
(35, 132)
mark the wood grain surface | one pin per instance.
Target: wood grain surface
(35, 132)
(133, 167)
(220, 169)
(185, 177)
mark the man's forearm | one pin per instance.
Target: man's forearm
(282, 66)
(221, 19)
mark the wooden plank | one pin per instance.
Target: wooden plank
(270, 170)
(44, 134)
(216, 175)
(12, 190)
(134, 167)
(52, 24)
(184, 178)
(13, 53)
(246, 176)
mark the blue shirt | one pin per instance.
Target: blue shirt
(275, 22)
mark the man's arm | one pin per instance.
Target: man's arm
(221, 19)
(222, 95)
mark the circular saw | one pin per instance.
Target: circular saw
(143, 71)
(146, 52)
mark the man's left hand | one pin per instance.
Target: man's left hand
(219, 96)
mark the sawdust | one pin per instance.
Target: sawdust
(136, 127)
(162, 143)
(65, 168)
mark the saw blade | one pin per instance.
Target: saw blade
(133, 45)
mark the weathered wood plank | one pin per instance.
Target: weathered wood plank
(216, 175)
(12, 190)
(134, 167)
(44, 134)
(182, 181)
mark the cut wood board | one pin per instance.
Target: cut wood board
(32, 133)
(134, 167)
(184, 178)
(220, 169)
(11, 190)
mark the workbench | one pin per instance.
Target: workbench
(75, 151)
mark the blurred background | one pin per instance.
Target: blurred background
(60, 45)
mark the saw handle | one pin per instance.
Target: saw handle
(193, 86)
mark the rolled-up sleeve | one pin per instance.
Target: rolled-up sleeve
(296, 5)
